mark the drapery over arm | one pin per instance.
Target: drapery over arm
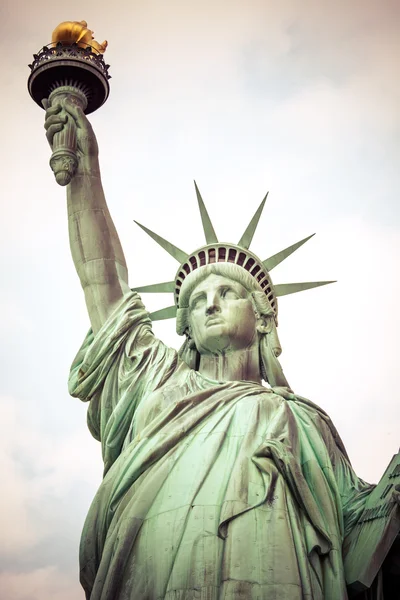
(115, 369)
(351, 491)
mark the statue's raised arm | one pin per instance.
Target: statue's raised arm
(95, 245)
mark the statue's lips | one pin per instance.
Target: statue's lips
(214, 321)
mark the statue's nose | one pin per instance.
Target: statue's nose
(213, 302)
(212, 308)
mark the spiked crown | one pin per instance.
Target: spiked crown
(217, 252)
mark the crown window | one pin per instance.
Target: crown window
(193, 262)
(232, 255)
(249, 264)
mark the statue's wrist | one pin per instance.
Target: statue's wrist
(89, 165)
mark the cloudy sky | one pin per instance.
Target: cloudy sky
(299, 98)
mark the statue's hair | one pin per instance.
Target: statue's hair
(270, 349)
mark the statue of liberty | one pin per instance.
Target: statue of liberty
(216, 485)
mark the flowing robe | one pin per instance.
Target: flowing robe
(211, 490)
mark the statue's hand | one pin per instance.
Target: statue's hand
(56, 117)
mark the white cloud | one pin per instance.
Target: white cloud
(19, 533)
(48, 583)
(15, 318)
(37, 466)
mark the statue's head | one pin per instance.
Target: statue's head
(224, 297)
(221, 315)
(223, 293)
(222, 308)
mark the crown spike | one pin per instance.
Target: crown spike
(271, 262)
(165, 313)
(246, 238)
(208, 228)
(283, 289)
(167, 286)
(178, 254)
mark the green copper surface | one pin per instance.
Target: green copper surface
(243, 244)
(216, 486)
(247, 236)
(227, 487)
(271, 262)
(208, 228)
(168, 312)
(283, 289)
(178, 254)
(369, 542)
(167, 286)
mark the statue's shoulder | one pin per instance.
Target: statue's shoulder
(316, 415)
(326, 421)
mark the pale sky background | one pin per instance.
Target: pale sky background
(300, 98)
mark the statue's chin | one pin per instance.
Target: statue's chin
(216, 346)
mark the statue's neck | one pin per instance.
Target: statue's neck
(237, 365)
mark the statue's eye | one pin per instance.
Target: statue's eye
(228, 292)
(197, 301)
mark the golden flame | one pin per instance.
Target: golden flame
(77, 32)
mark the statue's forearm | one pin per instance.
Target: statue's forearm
(95, 246)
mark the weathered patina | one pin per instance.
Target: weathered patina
(216, 485)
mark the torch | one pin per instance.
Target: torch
(71, 66)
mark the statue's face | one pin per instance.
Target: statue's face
(222, 316)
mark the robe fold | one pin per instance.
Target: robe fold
(211, 490)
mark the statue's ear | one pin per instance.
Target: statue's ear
(264, 324)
